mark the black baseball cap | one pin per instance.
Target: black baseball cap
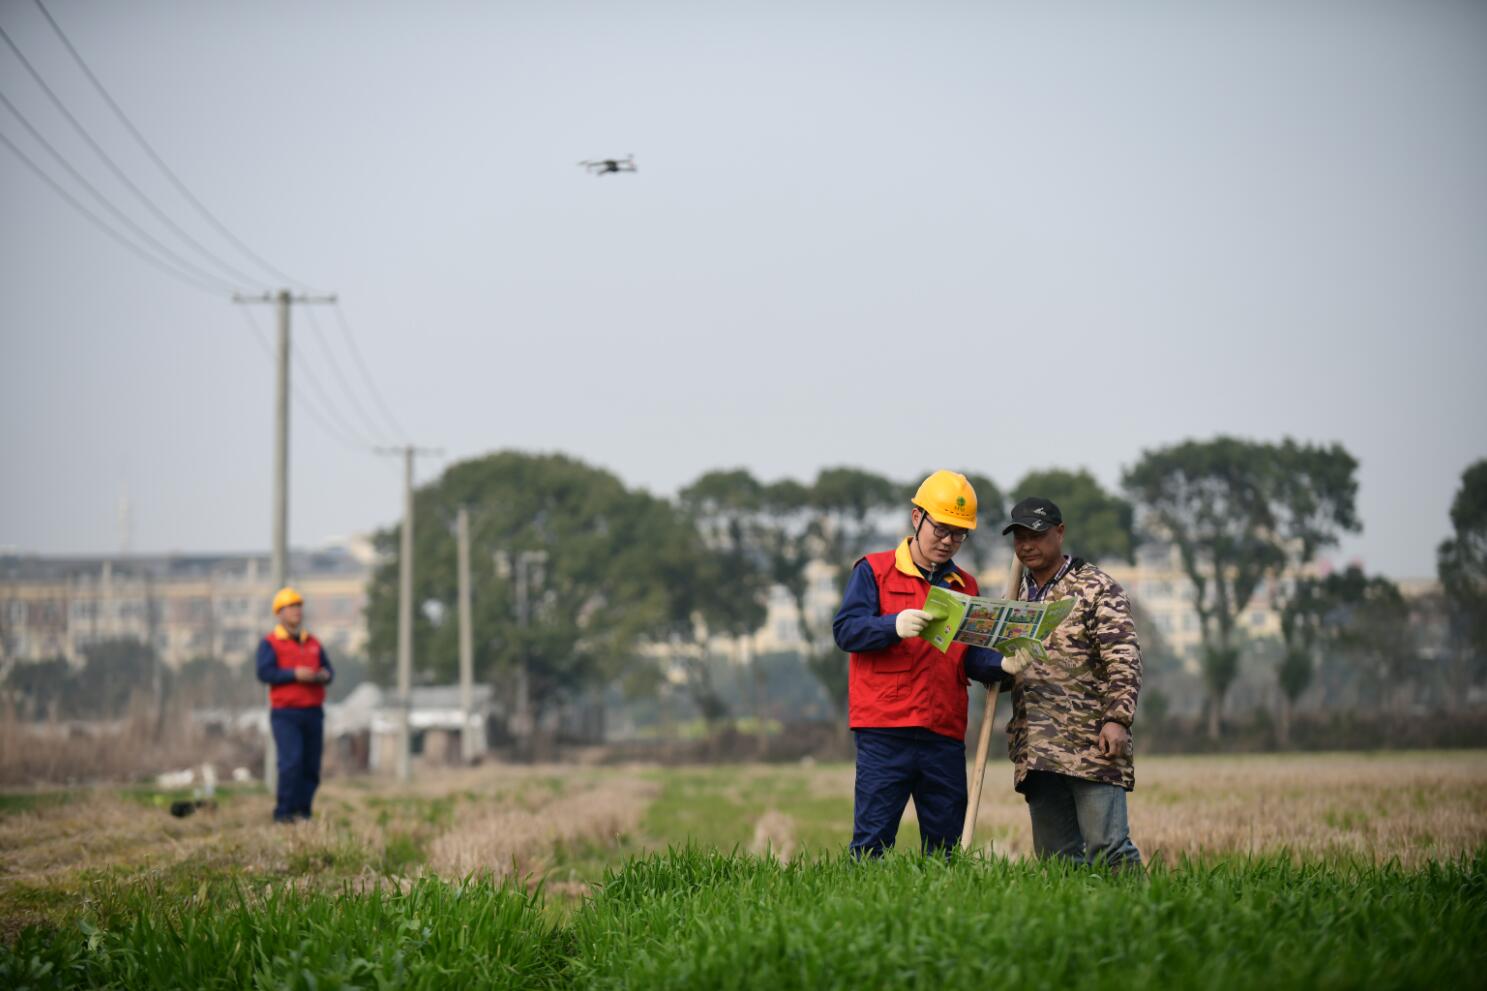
(1036, 514)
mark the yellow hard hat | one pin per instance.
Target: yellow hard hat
(948, 498)
(287, 596)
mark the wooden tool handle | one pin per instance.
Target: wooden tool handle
(983, 742)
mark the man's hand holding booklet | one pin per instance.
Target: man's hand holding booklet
(1007, 625)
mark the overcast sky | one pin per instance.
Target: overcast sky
(990, 236)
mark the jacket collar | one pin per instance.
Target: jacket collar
(282, 634)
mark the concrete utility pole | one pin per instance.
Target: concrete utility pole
(467, 646)
(284, 299)
(405, 610)
(528, 565)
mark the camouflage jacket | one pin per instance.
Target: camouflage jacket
(1092, 677)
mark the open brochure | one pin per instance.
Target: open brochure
(1001, 624)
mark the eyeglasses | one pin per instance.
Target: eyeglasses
(950, 533)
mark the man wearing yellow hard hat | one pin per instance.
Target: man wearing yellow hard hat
(296, 669)
(906, 700)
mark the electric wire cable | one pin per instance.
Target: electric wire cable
(323, 396)
(369, 424)
(258, 337)
(366, 375)
(339, 434)
(326, 409)
(165, 169)
(118, 172)
(103, 225)
(184, 263)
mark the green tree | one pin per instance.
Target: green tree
(615, 563)
(1161, 667)
(39, 689)
(1240, 512)
(1302, 617)
(113, 673)
(1461, 563)
(1101, 525)
(729, 594)
(207, 681)
(847, 507)
(1368, 623)
(848, 513)
(784, 527)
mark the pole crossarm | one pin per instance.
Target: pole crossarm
(405, 450)
(275, 297)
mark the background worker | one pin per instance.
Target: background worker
(907, 701)
(1070, 734)
(296, 669)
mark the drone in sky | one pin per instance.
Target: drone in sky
(603, 166)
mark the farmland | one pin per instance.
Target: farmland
(1297, 871)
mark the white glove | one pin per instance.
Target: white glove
(910, 623)
(1016, 662)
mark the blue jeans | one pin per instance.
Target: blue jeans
(1082, 821)
(891, 768)
(298, 738)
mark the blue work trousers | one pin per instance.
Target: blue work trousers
(299, 735)
(893, 768)
(1078, 820)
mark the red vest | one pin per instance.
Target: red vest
(909, 683)
(296, 654)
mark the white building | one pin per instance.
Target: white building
(186, 605)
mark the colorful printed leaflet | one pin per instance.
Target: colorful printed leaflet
(1001, 624)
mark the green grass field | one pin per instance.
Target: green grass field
(1331, 872)
(694, 919)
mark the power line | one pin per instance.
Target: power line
(149, 149)
(202, 275)
(102, 225)
(366, 376)
(318, 333)
(315, 411)
(117, 171)
(103, 200)
(257, 333)
(324, 397)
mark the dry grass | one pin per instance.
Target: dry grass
(567, 823)
(592, 810)
(495, 820)
(774, 835)
(1410, 807)
(134, 747)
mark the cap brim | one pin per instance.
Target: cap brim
(1033, 523)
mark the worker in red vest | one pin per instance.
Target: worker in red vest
(296, 669)
(907, 701)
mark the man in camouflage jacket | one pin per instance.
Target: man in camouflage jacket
(1070, 737)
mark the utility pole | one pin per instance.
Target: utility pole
(522, 567)
(526, 745)
(284, 299)
(467, 647)
(405, 609)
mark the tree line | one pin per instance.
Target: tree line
(623, 578)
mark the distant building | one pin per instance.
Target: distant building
(186, 605)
